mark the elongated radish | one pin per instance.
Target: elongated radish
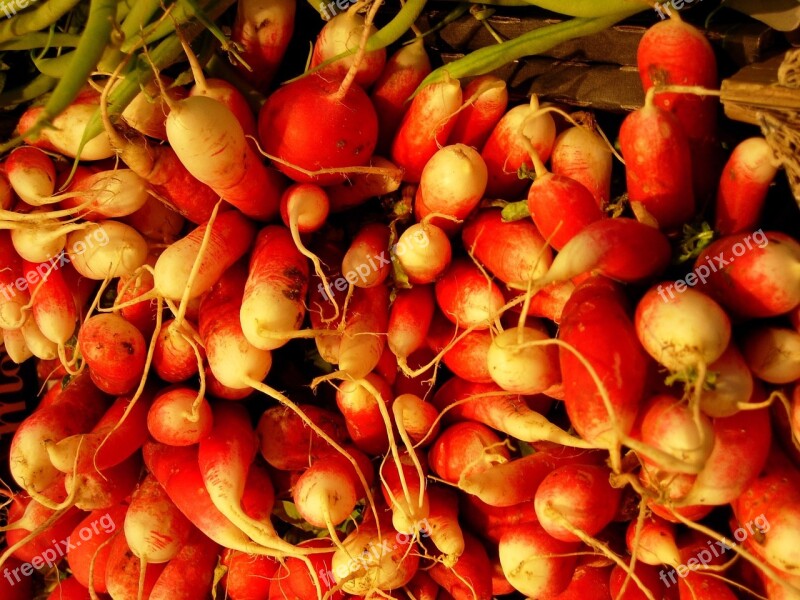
(107, 194)
(141, 315)
(403, 487)
(295, 579)
(104, 524)
(247, 577)
(467, 297)
(425, 127)
(146, 112)
(345, 138)
(366, 262)
(401, 75)
(486, 100)
(31, 174)
(364, 336)
(106, 249)
(442, 525)
(468, 356)
(469, 576)
(514, 252)
(773, 354)
(342, 34)
(123, 572)
(114, 350)
(362, 414)
(53, 307)
(175, 354)
(409, 319)
(40, 346)
(156, 221)
(262, 29)
(191, 573)
(490, 522)
(229, 95)
(582, 155)
(743, 186)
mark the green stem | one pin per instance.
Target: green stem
(41, 17)
(586, 9)
(31, 90)
(515, 211)
(486, 60)
(182, 11)
(139, 15)
(55, 67)
(84, 60)
(382, 38)
(34, 41)
(450, 17)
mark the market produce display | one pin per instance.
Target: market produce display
(375, 330)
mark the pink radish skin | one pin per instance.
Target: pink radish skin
(190, 574)
(657, 545)
(362, 414)
(401, 76)
(425, 127)
(465, 449)
(582, 155)
(470, 576)
(146, 112)
(156, 221)
(263, 29)
(108, 194)
(489, 95)
(466, 297)
(31, 174)
(114, 350)
(304, 206)
(467, 358)
(80, 557)
(409, 320)
(658, 166)
(424, 252)
(733, 385)
(409, 512)
(345, 138)
(561, 207)
(341, 34)
(753, 275)
(169, 418)
(505, 151)
(275, 290)
(743, 186)
(366, 262)
(514, 252)
(596, 323)
(533, 563)
(174, 358)
(142, 314)
(53, 308)
(293, 580)
(580, 494)
(231, 236)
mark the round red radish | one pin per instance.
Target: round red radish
(518, 367)
(467, 297)
(170, 419)
(114, 351)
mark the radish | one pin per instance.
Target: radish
(733, 385)
(15, 297)
(535, 563)
(465, 352)
(262, 28)
(156, 221)
(442, 526)
(658, 166)
(383, 177)
(39, 345)
(247, 577)
(470, 574)
(107, 194)
(295, 579)
(518, 366)
(345, 139)
(425, 127)
(172, 418)
(587, 580)
(486, 100)
(773, 354)
(491, 522)
(452, 183)
(623, 587)
(466, 297)
(752, 275)
(506, 150)
(146, 112)
(229, 95)
(409, 320)
(273, 302)
(401, 76)
(176, 355)
(365, 264)
(464, 449)
(126, 577)
(15, 346)
(106, 249)
(142, 314)
(53, 309)
(364, 336)
(7, 196)
(424, 252)
(652, 541)
(363, 415)
(582, 155)
(12, 585)
(403, 481)
(96, 549)
(31, 174)
(514, 252)
(191, 573)
(69, 589)
(342, 34)
(114, 350)
(743, 186)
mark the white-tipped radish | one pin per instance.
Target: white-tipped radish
(106, 249)
(517, 366)
(773, 354)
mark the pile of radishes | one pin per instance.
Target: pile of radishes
(275, 385)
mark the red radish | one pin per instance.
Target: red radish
(262, 29)
(343, 34)
(154, 527)
(682, 332)
(535, 563)
(95, 489)
(773, 354)
(659, 63)
(582, 155)
(285, 441)
(424, 252)
(506, 151)
(115, 352)
(7, 196)
(14, 296)
(172, 419)
(467, 297)
(520, 367)
(403, 478)
(582, 496)
(514, 252)
(464, 449)
(175, 354)
(41, 347)
(53, 307)
(364, 337)
(733, 385)
(15, 585)
(526, 474)
(384, 178)
(486, 100)
(597, 325)
(442, 526)
(247, 577)
(621, 249)
(230, 96)
(191, 573)
(107, 194)
(15, 346)
(69, 589)
(696, 586)
(452, 184)
(366, 262)
(304, 208)
(467, 357)
(141, 314)
(106, 249)
(470, 575)
(156, 221)
(401, 76)
(425, 127)
(31, 174)
(276, 287)
(295, 579)
(648, 576)
(76, 409)
(123, 573)
(230, 237)
(754, 274)
(743, 187)
(653, 541)
(345, 138)
(409, 319)
(587, 581)
(422, 587)
(201, 130)
(105, 524)
(491, 522)
(146, 112)
(362, 414)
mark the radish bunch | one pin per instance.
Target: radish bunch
(358, 347)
